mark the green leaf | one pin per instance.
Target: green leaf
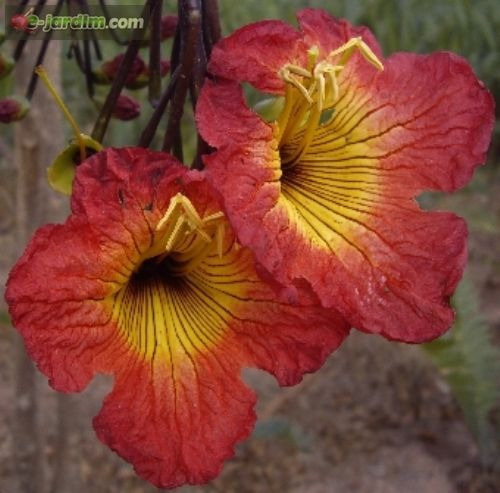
(471, 364)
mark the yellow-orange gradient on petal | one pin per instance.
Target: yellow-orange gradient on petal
(322, 187)
(145, 281)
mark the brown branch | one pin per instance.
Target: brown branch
(150, 130)
(190, 24)
(212, 30)
(154, 88)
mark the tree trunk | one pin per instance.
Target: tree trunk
(38, 138)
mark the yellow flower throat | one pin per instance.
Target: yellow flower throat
(311, 92)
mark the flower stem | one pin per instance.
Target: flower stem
(150, 130)
(42, 74)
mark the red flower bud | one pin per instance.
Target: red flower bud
(168, 26)
(126, 108)
(13, 108)
(110, 68)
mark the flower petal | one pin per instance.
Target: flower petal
(179, 405)
(425, 122)
(320, 29)
(175, 344)
(55, 294)
(344, 216)
(256, 52)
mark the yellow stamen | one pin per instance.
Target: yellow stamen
(288, 73)
(186, 237)
(313, 123)
(312, 56)
(311, 91)
(348, 48)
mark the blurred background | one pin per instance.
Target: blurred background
(380, 417)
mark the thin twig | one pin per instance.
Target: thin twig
(74, 49)
(41, 55)
(211, 25)
(112, 32)
(93, 37)
(154, 55)
(102, 121)
(150, 130)
(199, 67)
(87, 60)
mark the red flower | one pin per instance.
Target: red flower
(325, 193)
(145, 281)
(126, 108)
(13, 108)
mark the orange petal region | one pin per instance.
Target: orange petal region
(145, 281)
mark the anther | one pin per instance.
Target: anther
(348, 48)
(186, 235)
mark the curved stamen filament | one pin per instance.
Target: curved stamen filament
(348, 48)
(311, 91)
(185, 237)
(288, 73)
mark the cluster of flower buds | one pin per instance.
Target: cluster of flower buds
(138, 77)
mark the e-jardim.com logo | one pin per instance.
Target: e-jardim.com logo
(37, 21)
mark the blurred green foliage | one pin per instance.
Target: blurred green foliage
(467, 27)
(4, 318)
(471, 365)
